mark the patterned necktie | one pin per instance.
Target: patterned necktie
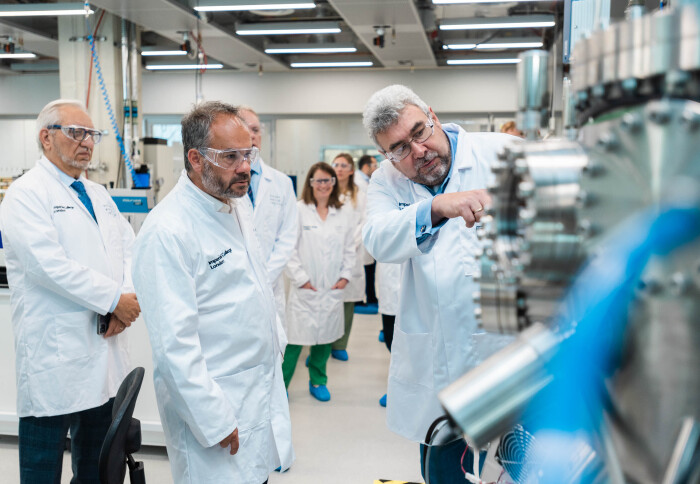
(83, 196)
(250, 193)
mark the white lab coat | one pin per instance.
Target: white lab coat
(436, 339)
(324, 253)
(63, 269)
(211, 318)
(355, 290)
(388, 285)
(361, 180)
(275, 224)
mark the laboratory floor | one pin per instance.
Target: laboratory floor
(344, 441)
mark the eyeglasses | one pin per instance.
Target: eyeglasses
(323, 181)
(342, 165)
(229, 159)
(404, 149)
(78, 133)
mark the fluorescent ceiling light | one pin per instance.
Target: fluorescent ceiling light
(174, 67)
(475, 62)
(457, 2)
(42, 9)
(148, 53)
(513, 43)
(480, 23)
(332, 64)
(509, 45)
(288, 28)
(18, 55)
(318, 48)
(238, 5)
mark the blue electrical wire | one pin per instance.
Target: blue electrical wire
(597, 307)
(105, 96)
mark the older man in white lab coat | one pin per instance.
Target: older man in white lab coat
(422, 208)
(210, 312)
(274, 210)
(68, 256)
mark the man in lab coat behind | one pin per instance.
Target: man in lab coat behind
(210, 313)
(68, 253)
(422, 209)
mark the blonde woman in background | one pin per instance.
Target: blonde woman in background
(355, 199)
(319, 270)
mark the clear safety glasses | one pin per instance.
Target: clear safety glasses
(404, 149)
(229, 159)
(323, 181)
(78, 133)
(342, 166)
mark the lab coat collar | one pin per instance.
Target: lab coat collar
(56, 172)
(203, 197)
(464, 157)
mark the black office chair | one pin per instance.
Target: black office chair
(124, 435)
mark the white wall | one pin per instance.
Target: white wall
(303, 110)
(479, 89)
(19, 149)
(26, 94)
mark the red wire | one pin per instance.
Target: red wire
(461, 461)
(99, 21)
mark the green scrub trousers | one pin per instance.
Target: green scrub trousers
(342, 342)
(317, 363)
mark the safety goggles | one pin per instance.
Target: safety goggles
(404, 149)
(323, 181)
(78, 133)
(342, 166)
(229, 159)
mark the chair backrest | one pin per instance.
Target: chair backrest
(124, 435)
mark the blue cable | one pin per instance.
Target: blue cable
(597, 305)
(108, 104)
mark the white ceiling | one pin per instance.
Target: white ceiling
(411, 40)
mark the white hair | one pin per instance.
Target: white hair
(384, 107)
(51, 114)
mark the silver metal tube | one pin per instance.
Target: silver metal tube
(686, 447)
(533, 91)
(487, 401)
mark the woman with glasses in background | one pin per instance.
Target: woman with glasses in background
(355, 199)
(319, 271)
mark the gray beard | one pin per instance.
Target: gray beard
(73, 162)
(217, 186)
(438, 174)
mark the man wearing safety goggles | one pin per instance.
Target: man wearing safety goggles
(210, 312)
(68, 264)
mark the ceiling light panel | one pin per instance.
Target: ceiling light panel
(318, 48)
(483, 23)
(18, 55)
(298, 65)
(158, 53)
(43, 9)
(476, 62)
(177, 67)
(465, 2)
(241, 5)
(288, 28)
(510, 43)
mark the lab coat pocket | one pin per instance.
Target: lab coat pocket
(76, 334)
(248, 393)
(411, 359)
(470, 245)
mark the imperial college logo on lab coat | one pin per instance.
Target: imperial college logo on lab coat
(214, 263)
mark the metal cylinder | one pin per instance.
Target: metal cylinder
(533, 91)
(488, 400)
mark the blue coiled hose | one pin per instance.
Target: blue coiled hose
(105, 96)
